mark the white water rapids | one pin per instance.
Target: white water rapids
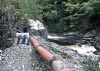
(84, 49)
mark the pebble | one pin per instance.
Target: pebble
(99, 64)
(1, 58)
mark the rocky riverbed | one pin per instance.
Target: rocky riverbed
(25, 58)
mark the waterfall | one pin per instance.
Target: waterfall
(38, 28)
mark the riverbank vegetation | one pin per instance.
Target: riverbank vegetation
(70, 15)
(58, 15)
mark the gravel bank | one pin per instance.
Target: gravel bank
(25, 58)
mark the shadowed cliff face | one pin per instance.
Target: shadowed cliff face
(6, 37)
(94, 23)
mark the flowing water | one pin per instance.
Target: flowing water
(25, 58)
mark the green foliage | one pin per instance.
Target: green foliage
(91, 65)
(20, 10)
(55, 50)
(68, 15)
(59, 15)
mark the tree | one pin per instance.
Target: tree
(69, 15)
